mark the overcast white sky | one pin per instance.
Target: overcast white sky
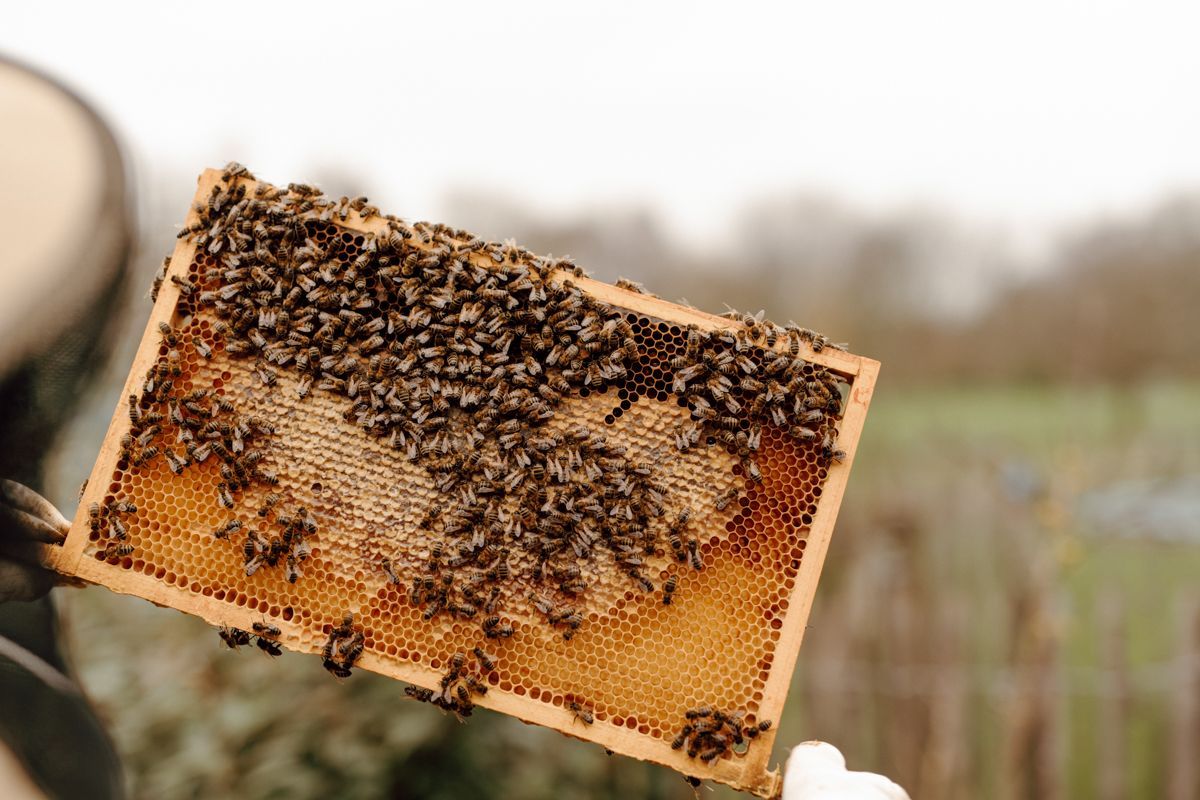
(1017, 114)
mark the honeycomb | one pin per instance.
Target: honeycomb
(631, 657)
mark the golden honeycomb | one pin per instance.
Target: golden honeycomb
(727, 639)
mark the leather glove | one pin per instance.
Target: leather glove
(26, 520)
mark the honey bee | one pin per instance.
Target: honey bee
(186, 287)
(640, 580)
(224, 496)
(353, 651)
(160, 276)
(266, 375)
(804, 434)
(231, 476)
(674, 534)
(573, 587)
(233, 171)
(676, 542)
(115, 551)
(580, 713)
(196, 408)
(568, 572)
(342, 648)
(121, 507)
(465, 610)
(117, 528)
(386, 565)
(345, 627)
(268, 647)
(487, 662)
(175, 461)
(694, 555)
(330, 644)
(292, 568)
(725, 498)
(490, 605)
(265, 629)
(832, 453)
(433, 609)
(668, 590)
(493, 628)
(252, 546)
(301, 551)
(145, 456)
(175, 414)
(169, 337)
(752, 731)
(234, 637)
(417, 693)
(336, 669)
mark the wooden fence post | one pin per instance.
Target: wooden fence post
(1183, 777)
(1112, 748)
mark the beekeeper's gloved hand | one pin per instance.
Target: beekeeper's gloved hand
(26, 519)
(817, 771)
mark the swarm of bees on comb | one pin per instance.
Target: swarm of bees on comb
(466, 360)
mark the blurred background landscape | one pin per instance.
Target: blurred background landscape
(1011, 604)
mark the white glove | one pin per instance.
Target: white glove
(817, 771)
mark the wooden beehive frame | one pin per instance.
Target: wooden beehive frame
(749, 773)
